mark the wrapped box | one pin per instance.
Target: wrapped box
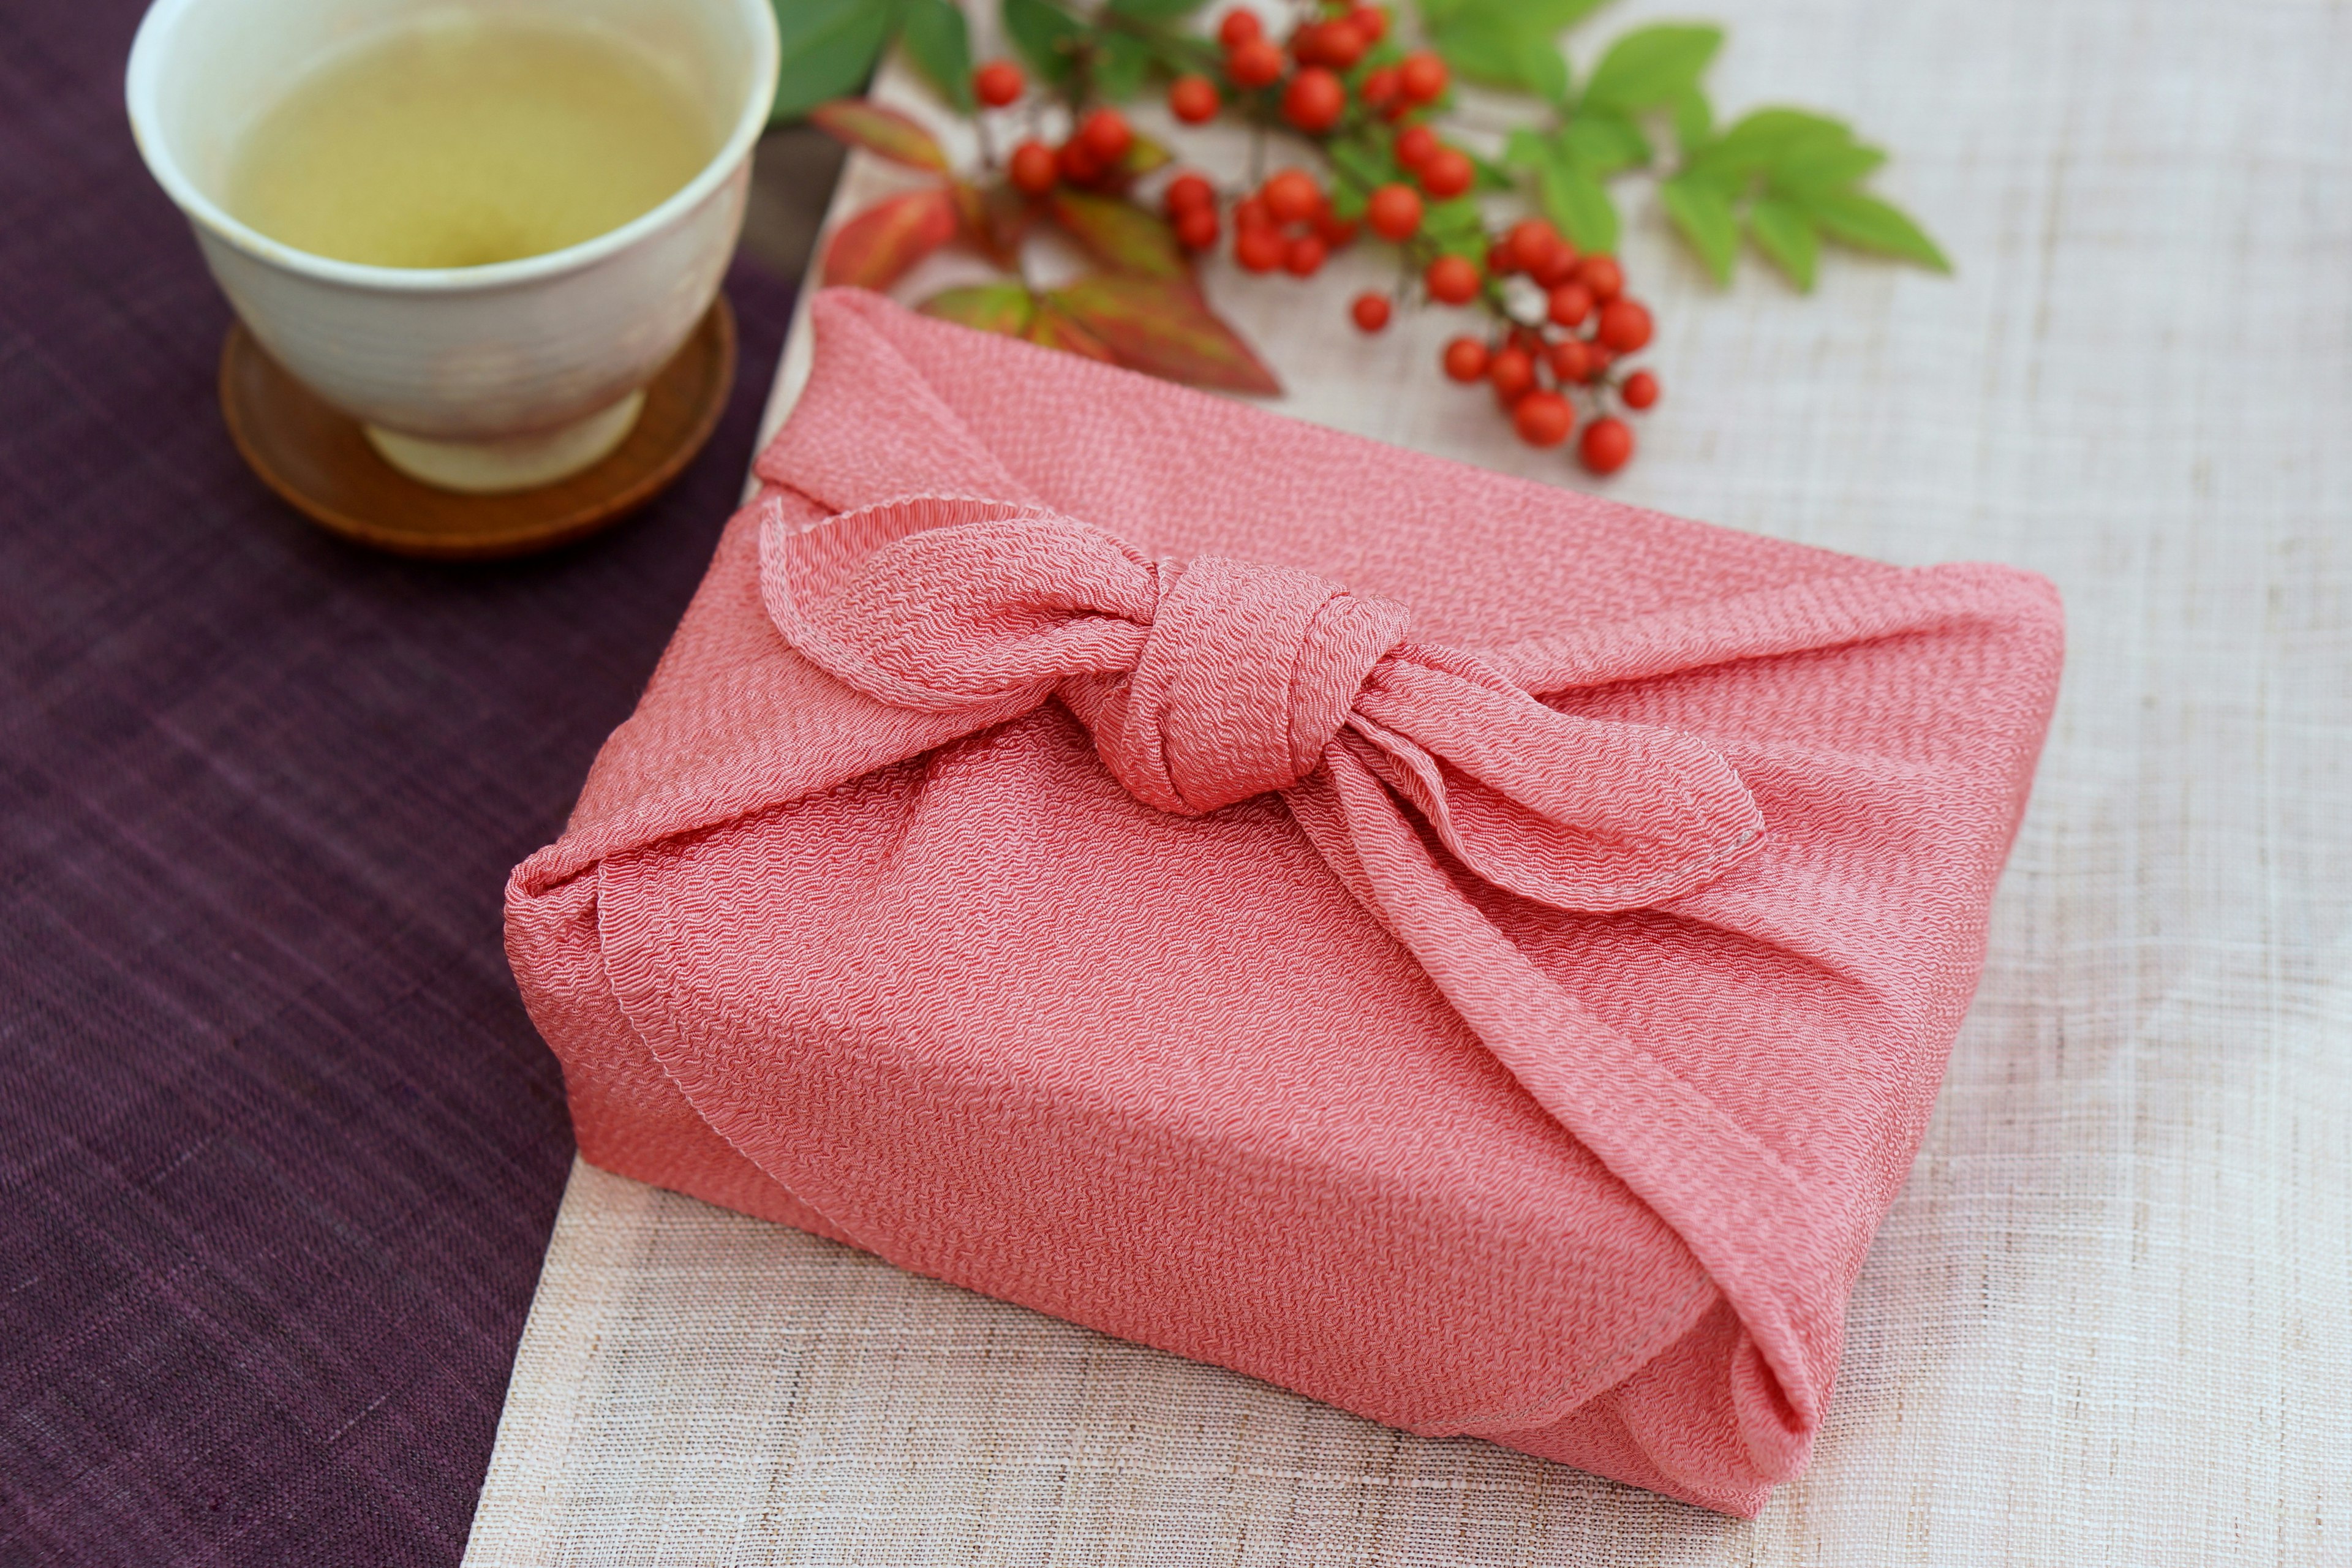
(1465, 950)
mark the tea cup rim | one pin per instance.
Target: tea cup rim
(140, 84)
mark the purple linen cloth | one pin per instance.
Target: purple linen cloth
(279, 1149)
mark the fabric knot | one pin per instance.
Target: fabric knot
(1207, 683)
(1245, 674)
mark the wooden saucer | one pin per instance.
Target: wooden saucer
(317, 459)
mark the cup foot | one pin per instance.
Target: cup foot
(514, 462)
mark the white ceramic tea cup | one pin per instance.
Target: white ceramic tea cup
(472, 378)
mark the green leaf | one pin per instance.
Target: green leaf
(1498, 48)
(1162, 327)
(1546, 16)
(881, 130)
(1155, 10)
(1046, 35)
(1457, 228)
(1444, 221)
(1764, 138)
(1694, 116)
(938, 42)
(1118, 234)
(1822, 165)
(829, 49)
(1004, 308)
(1649, 66)
(1525, 150)
(1552, 17)
(1787, 236)
(1366, 164)
(1604, 142)
(1121, 62)
(1701, 210)
(1868, 223)
(1576, 200)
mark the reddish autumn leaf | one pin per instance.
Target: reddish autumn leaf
(1006, 308)
(995, 218)
(884, 132)
(1051, 329)
(1120, 234)
(1162, 327)
(874, 249)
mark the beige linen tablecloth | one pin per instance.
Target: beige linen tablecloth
(2110, 1319)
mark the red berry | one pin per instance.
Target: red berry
(1338, 232)
(1447, 173)
(1513, 371)
(1370, 21)
(1378, 88)
(1107, 134)
(1034, 168)
(1607, 442)
(1640, 391)
(1371, 311)
(1193, 99)
(1239, 28)
(1568, 305)
(1543, 418)
(1624, 326)
(1259, 248)
(1187, 191)
(1196, 227)
(1559, 265)
(1465, 360)
(997, 83)
(1077, 163)
(1343, 44)
(1394, 212)
(1303, 257)
(1422, 77)
(1414, 143)
(1531, 242)
(1602, 276)
(1314, 101)
(1335, 44)
(1292, 196)
(1254, 62)
(1453, 279)
(1250, 213)
(1571, 360)
(1599, 358)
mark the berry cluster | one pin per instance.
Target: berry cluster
(1561, 338)
(1093, 158)
(1587, 325)
(1561, 321)
(1315, 60)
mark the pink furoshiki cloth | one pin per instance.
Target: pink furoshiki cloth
(1465, 950)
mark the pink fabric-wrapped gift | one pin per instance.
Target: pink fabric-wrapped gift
(1462, 950)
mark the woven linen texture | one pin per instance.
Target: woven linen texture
(2102, 1323)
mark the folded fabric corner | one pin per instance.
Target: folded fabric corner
(1467, 951)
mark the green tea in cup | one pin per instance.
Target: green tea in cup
(467, 140)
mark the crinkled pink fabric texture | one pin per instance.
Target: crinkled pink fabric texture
(1465, 950)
